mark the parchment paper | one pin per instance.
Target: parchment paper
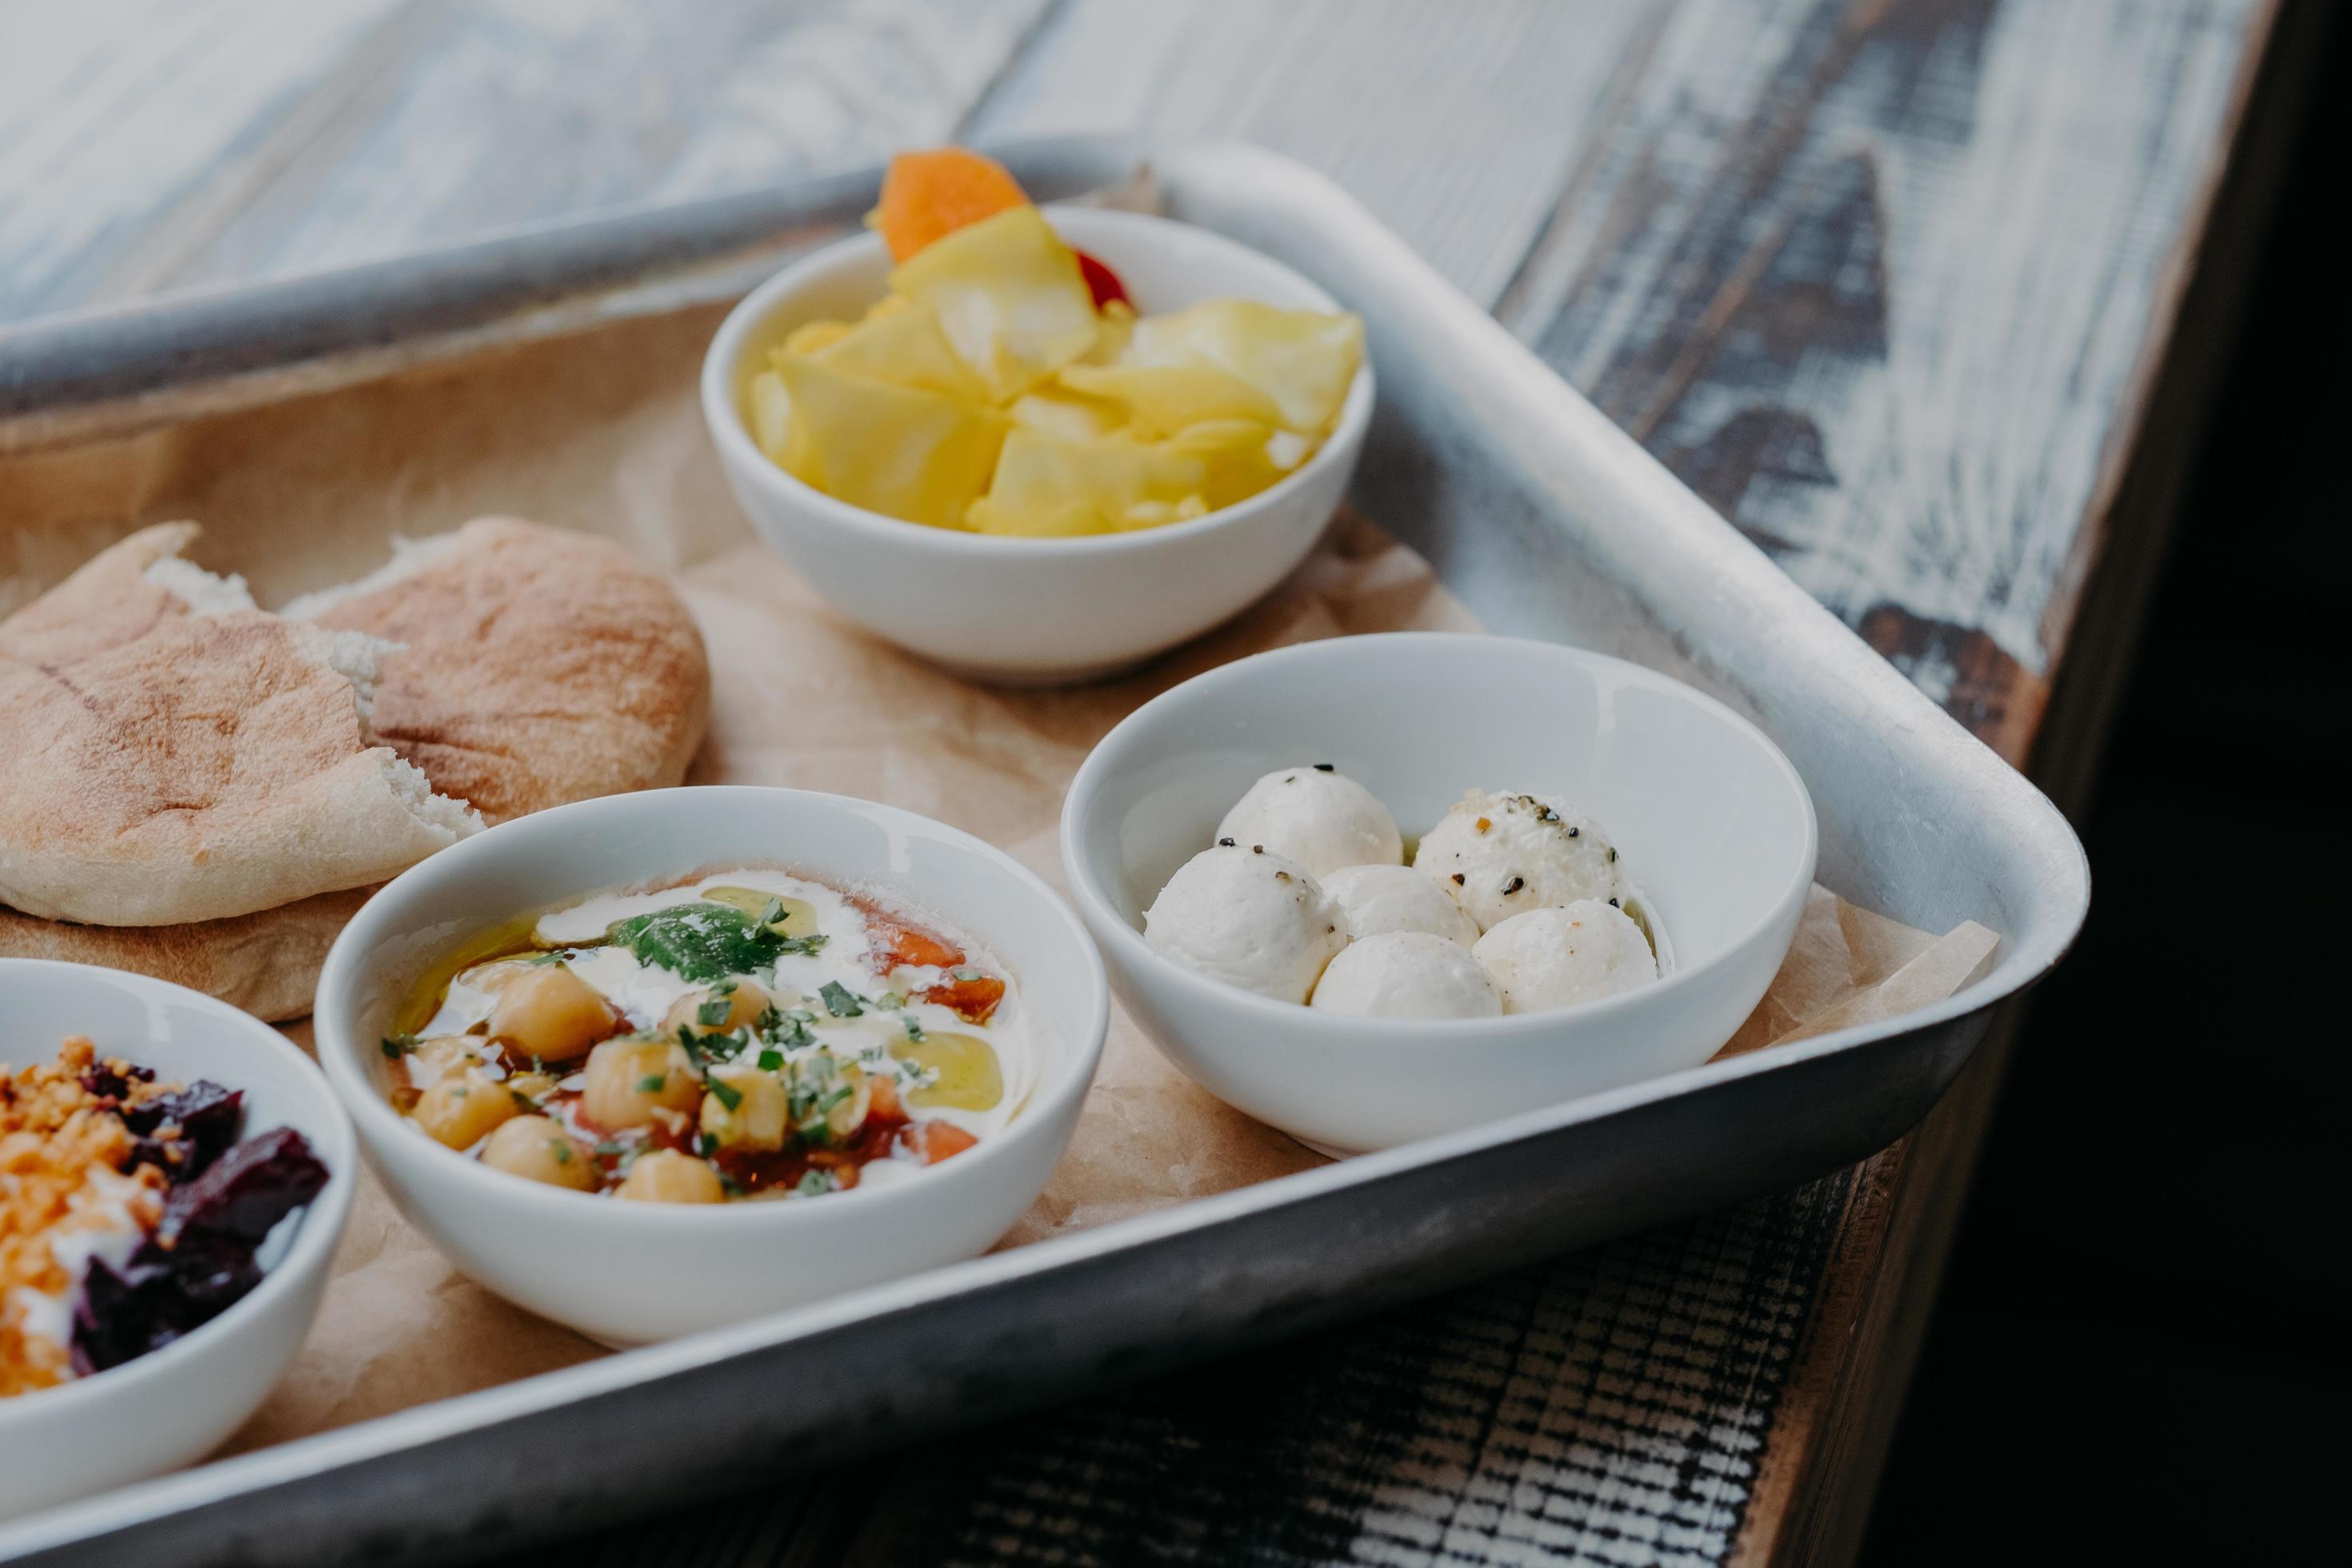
(600, 432)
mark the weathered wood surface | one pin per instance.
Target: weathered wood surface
(1887, 282)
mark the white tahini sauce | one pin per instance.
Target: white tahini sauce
(644, 993)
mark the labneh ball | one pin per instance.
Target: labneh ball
(1377, 899)
(1406, 974)
(1248, 918)
(1315, 816)
(1497, 855)
(1548, 959)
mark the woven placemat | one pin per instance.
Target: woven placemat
(1606, 1407)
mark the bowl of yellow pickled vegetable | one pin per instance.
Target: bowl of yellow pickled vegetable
(1039, 445)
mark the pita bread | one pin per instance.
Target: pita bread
(212, 766)
(266, 963)
(111, 600)
(218, 788)
(532, 667)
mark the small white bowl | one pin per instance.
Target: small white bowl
(1031, 611)
(625, 1272)
(1715, 826)
(173, 1404)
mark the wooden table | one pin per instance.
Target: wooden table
(1924, 295)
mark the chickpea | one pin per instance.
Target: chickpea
(848, 1114)
(837, 1091)
(666, 1177)
(755, 1119)
(629, 1079)
(462, 1107)
(551, 1013)
(531, 1086)
(745, 1004)
(436, 1059)
(537, 1149)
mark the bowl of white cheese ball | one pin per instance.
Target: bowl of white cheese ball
(1376, 889)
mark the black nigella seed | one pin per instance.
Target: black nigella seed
(1572, 833)
(1224, 844)
(1615, 905)
(1514, 884)
(1459, 880)
(1257, 849)
(1323, 767)
(1613, 857)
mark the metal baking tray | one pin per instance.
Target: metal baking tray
(1543, 516)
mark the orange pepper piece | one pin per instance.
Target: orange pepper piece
(928, 194)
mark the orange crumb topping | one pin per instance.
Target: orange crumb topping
(55, 1137)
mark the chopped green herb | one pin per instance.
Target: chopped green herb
(835, 1098)
(611, 1148)
(966, 974)
(772, 912)
(769, 1060)
(890, 1002)
(541, 960)
(714, 1013)
(914, 1028)
(726, 1093)
(730, 1186)
(815, 1183)
(522, 1101)
(840, 1001)
(708, 1143)
(562, 1149)
(398, 1046)
(699, 942)
(653, 1083)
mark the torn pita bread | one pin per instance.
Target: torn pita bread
(212, 766)
(266, 963)
(198, 754)
(532, 667)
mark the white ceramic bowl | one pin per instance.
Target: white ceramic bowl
(1030, 610)
(626, 1272)
(174, 1404)
(1714, 825)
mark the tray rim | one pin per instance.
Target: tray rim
(525, 285)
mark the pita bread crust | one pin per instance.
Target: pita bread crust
(212, 766)
(535, 667)
(109, 601)
(266, 963)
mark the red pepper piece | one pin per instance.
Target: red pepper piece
(1102, 282)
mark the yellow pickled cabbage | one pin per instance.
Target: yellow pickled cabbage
(1304, 360)
(906, 348)
(810, 336)
(897, 450)
(1161, 399)
(1069, 415)
(985, 390)
(1048, 487)
(1239, 456)
(1009, 296)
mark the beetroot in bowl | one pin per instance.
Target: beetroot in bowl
(178, 1174)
